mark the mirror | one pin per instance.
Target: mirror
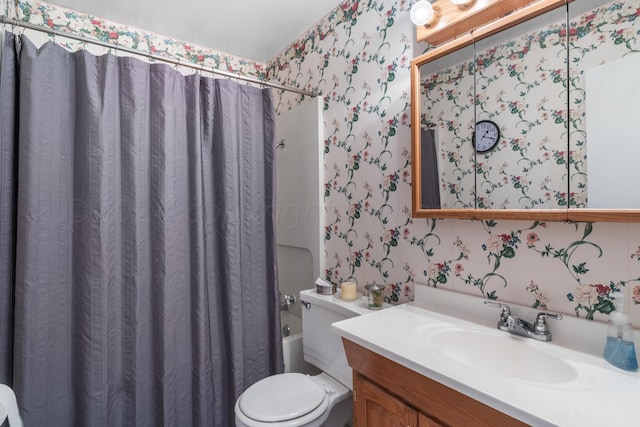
(521, 86)
(446, 123)
(604, 91)
(516, 70)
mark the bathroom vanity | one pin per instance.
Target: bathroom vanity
(388, 394)
(441, 360)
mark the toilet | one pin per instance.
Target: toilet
(293, 399)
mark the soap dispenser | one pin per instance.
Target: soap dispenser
(619, 349)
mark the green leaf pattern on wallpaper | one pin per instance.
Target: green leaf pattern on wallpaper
(357, 58)
(362, 63)
(70, 21)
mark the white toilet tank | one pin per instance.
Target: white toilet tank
(322, 347)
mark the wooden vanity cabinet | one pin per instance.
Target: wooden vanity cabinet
(374, 407)
(387, 394)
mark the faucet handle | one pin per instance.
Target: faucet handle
(506, 311)
(506, 322)
(541, 324)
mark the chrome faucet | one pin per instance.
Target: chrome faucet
(509, 323)
(286, 301)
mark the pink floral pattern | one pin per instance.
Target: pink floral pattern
(70, 21)
(367, 179)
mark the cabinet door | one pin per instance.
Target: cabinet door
(374, 407)
(424, 421)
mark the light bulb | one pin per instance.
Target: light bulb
(421, 13)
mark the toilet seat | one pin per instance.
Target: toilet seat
(284, 400)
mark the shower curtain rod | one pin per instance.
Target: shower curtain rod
(27, 25)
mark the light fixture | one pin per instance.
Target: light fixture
(422, 13)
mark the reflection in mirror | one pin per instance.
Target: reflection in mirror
(519, 81)
(605, 89)
(552, 116)
(446, 119)
(521, 85)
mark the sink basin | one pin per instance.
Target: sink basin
(501, 353)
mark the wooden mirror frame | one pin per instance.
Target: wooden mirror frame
(570, 214)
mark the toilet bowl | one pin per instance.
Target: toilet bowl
(295, 400)
(292, 400)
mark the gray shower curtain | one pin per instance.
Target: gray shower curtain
(139, 283)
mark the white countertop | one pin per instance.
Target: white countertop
(599, 395)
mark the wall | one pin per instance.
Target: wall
(73, 22)
(298, 135)
(358, 59)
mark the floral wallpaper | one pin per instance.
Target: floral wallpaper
(357, 59)
(69, 21)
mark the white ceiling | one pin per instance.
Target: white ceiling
(252, 29)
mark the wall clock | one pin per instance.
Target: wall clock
(486, 136)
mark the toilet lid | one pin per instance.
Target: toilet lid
(281, 397)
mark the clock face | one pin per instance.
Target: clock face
(486, 135)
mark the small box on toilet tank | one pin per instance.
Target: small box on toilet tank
(325, 288)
